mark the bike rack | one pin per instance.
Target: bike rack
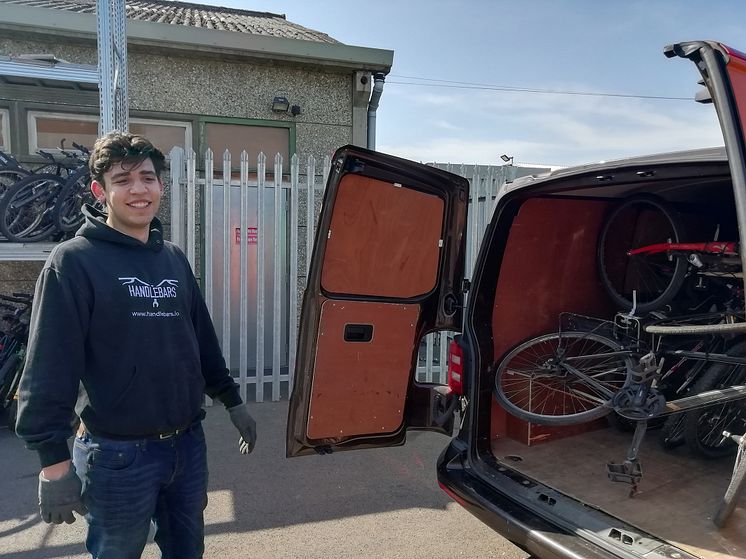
(27, 252)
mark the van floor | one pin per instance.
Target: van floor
(676, 498)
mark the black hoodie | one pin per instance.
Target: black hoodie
(128, 320)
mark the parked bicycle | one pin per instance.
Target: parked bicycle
(645, 264)
(583, 373)
(11, 170)
(16, 313)
(40, 206)
(575, 375)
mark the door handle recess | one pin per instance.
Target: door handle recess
(358, 332)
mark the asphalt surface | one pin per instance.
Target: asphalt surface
(372, 503)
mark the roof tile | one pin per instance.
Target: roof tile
(194, 15)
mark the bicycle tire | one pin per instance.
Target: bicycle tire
(74, 194)
(655, 279)
(703, 427)
(26, 208)
(732, 493)
(671, 434)
(571, 400)
(8, 177)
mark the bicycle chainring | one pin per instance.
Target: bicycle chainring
(626, 403)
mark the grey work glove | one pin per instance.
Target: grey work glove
(246, 426)
(59, 498)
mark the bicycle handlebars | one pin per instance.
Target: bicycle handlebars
(84, 149)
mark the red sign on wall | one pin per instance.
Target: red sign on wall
(252, 235)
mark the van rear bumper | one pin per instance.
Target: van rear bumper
(513, 521)
(519, 525)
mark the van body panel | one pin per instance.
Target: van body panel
(387, 268)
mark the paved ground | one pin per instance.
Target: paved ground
(373, 503)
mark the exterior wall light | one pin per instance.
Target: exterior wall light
(280, 104)
(507, 159)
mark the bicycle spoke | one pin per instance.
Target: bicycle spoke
(648, 277)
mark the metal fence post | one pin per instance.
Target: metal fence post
(176, 171)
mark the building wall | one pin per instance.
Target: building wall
(202, 85)
(197, 85)
(18, 277)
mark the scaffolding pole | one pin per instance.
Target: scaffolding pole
(111, 19)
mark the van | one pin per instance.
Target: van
(634, 469)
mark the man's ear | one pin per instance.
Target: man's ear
(98, 191)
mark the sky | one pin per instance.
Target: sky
(603, 47)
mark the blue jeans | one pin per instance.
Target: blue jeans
(126, 484)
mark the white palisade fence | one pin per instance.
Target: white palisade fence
(252, 248)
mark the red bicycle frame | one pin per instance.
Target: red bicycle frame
(719, 248)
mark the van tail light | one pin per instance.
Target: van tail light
(456, 368)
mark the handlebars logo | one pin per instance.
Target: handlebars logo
(143, 290)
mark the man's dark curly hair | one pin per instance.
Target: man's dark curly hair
(128, 149)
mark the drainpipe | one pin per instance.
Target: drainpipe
(378, 80)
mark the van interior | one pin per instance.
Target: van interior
(548, 267)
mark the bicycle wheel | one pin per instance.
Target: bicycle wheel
(26, 208)
(655, 278)
(735, 487)
(562, 379)
(8, 177)
(703, 428)
(67, 209)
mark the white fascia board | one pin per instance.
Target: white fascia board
(185, 38)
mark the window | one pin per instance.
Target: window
(236, 138)
(5, 131)
(164, 135)
(46, 131)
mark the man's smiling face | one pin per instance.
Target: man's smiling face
(132, 195)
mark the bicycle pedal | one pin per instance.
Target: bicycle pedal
(629, 472)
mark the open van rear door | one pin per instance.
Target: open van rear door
(387, 268)
(723, 70)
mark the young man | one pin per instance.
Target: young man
(119, 310)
